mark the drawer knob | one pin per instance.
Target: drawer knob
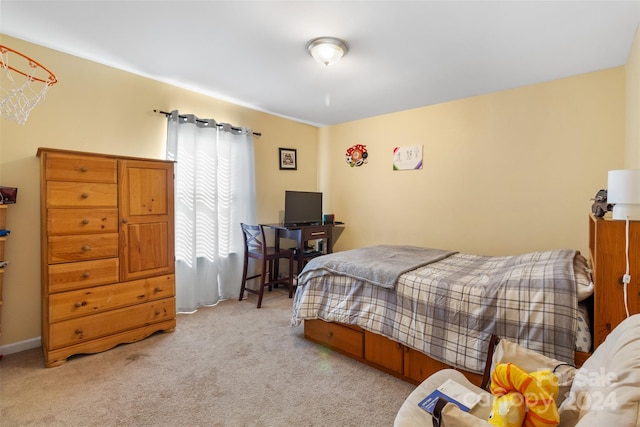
(125, 220)
(79, 331)
(158, 312)
(156, 290)
(80, 304)
(86, 248)
(84, 195)
(86, 275)
(84, 169)
(85, 221)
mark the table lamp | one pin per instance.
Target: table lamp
(624, 193)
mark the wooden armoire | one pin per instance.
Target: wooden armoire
(107, 227)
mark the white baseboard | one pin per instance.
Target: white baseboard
(20, 346)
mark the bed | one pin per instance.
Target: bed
(446, 304)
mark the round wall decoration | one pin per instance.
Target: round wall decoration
(357, 155)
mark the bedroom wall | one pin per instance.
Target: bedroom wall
(632, 151)
(100, 109)
(504, 173)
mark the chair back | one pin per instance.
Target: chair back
(254, 238)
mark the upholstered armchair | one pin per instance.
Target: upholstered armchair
(605, 391)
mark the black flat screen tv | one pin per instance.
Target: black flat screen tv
(302, 208)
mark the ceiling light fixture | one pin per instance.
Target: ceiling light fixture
(327, 50)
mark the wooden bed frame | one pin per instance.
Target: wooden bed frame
(606, 237)
(383, 353)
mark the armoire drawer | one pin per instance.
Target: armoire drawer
(74, 331)
(81, 168)
(62, 194)
(80, 221)
(82, 247)
(67, 305)
(83, 274)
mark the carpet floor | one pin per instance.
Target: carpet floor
(228, 365)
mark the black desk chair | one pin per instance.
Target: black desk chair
(255, 246)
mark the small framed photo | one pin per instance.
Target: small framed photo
(288, 159)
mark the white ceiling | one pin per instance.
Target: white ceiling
(403, 54)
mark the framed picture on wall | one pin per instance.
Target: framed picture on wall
(288, 159)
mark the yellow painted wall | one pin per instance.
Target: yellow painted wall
(100, 109)
(632, 152)
(504, 173)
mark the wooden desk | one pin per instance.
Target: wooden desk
(302, 234)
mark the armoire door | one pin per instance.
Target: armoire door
(146, 218)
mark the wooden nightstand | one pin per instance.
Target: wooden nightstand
(607, 241)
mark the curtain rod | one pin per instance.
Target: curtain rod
(258, 134)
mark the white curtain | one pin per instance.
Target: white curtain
(215, 192)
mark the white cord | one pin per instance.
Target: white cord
(627, 277)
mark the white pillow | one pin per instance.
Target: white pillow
(606, 390)
(582, 273)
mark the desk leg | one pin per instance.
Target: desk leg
(276, 244)
(300, 257)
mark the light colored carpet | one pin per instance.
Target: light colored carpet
(229, 365)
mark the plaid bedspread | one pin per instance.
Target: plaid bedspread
(449, 309)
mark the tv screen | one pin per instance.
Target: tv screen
(302, 207)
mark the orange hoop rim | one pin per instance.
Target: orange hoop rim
(32, 62)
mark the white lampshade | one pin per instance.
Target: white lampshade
(327, 50)
(623, 191)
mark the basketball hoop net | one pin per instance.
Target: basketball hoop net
(23, 83)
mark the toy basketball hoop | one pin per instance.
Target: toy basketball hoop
(23, 83)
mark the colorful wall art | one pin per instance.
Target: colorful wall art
(357, 155)
(407, 158)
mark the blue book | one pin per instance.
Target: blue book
(453, 392)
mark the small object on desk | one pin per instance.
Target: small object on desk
(4, 232)
(338, 223)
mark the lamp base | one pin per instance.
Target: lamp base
(622, 211)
